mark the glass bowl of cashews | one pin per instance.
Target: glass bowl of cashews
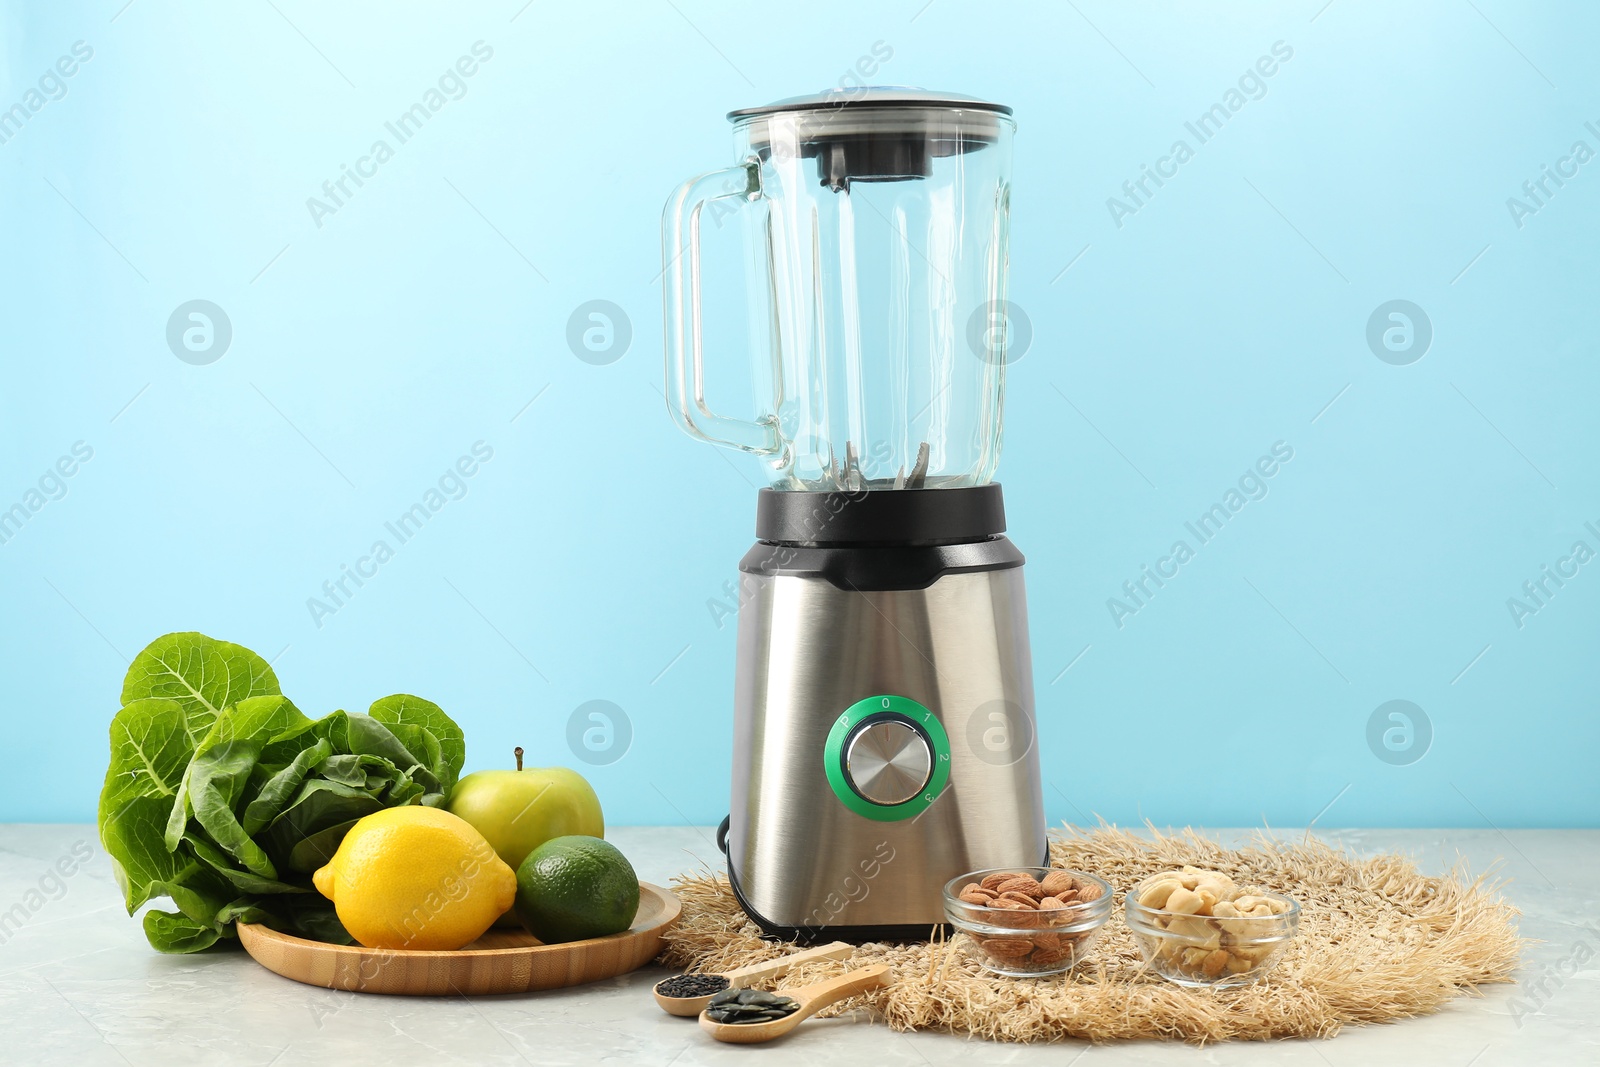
(1026, 922)
(1197, 928)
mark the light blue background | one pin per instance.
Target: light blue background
(1224, 316)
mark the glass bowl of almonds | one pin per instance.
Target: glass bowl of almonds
(1028, 921)
(1197, 928)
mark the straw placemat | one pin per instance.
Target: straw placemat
(1378, 941)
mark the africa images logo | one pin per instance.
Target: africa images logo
(1252, 485)
(453, 484)
(1538, 192)
(52, 85)
(1252, 85)
(1537, 592)
(337, 191)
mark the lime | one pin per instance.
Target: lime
(571, 888)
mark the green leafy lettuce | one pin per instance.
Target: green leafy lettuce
(222, 797)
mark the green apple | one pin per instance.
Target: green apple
(517, 811)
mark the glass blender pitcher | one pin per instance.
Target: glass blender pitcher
(883, 700)
(876, 223)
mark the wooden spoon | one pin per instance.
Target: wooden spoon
(755, 972)
(812, 998)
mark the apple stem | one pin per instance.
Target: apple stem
(518, 752)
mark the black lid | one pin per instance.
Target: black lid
(873, 96)
(874, 133)
(881, 516)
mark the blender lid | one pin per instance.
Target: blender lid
(884, 133)
(874, 96)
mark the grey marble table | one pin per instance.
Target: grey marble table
(79, 986)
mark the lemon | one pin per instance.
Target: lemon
(416, 878)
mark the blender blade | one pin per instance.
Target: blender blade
(919, 469)
(851, 477)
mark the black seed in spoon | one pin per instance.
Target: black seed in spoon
(692, 985)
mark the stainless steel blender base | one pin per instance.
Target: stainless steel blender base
(805, 862)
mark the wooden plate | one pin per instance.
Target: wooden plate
(501, 961)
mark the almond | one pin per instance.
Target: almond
(993, 881)
(1020, 883)
(1006, 948)
(1022, 899)
(1089, 891)
(1021, 914)
(1056, 882)
(1046, 956)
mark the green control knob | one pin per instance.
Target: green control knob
(887, 758)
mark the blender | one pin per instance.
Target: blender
(883, 700)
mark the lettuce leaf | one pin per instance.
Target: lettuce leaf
(202, 674)
(150, 752)
(282, 785)
(223, 797)
(179, 933)
(404, 714)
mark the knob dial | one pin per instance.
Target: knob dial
(888, 762)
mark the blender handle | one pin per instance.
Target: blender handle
(680, 252)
